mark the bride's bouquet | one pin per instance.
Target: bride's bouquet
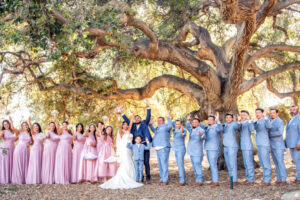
(118, 111)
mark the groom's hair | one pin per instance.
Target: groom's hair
(137, 116)
(161, 118)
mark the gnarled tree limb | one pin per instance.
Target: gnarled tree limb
(247, 85)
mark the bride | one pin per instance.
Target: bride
(125, 177)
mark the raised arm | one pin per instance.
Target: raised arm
(131, 121)
(30, 125)
(148, 117)
(59, 131)
(16, 131)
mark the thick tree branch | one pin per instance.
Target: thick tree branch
(268, 49)
(165, 81)
(247, 85)
(208, 51)
(282, 4)
(281, 94)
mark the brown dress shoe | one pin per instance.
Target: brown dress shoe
(180, 184)
(164, 183)
(215, 184)
(245, 182)
(235, 183)
(278, 182)
(198, 184)
(250, 183)
(283, 183)
(265, 184)
(297, 181)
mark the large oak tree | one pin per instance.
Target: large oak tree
(44, 40)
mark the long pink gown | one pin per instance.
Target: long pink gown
(104, 169)
(6, 160)
(77, 149)
(48, 161)
(87, 167)
(35, 161)
(99, 143)
(21, 159)
(63, 159)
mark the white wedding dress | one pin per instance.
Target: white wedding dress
(125, 177)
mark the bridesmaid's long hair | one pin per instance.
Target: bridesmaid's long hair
(69, 131)
(28, 130)
(112, 132)
(94, 134)
(40, 128)
(55, 130)
(7, 123)
(82, 130)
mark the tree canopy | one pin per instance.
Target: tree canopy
(88, 56)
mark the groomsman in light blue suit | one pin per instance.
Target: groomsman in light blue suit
(277, 146)
(262, 127)
(246, 127)
(195, 148)
(292, 138)
(161, 143)
(231, 146)
(212, 145)
(178, 146)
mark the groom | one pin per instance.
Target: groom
(161, 143)
(140, 128)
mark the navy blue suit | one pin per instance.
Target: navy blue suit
(143, 132)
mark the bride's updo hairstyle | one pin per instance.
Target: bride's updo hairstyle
(125, 125)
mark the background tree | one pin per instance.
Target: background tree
(212, 52)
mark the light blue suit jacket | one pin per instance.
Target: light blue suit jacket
(275, 134)
(292, 137)
(262, 128)
(212, 137)
(195, 145)
(229, 136)
(162, 134)
(245, 129)
(179, 140)
(138, 151)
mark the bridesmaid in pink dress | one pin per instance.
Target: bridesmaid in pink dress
(21, 154)
(36, 155)
(8, 146)
(49, 154)
(106, 170)
(87, 166)
(100, 131)
(79, 141)
(63, 159)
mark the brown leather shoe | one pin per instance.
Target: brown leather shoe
(235, 183)
(250, 183)
(283, 183)
(180, 184)
(277, 182)
(164, 183)
(198, 184)
(245, 182)
(215, 184)
(265, 184)
(297, 181)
